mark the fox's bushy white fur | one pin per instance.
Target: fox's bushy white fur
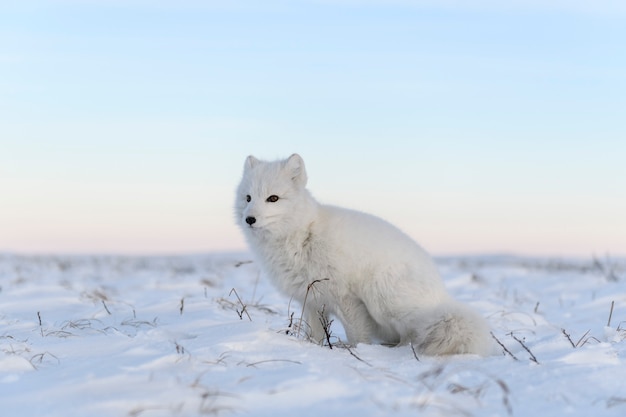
(377, 281)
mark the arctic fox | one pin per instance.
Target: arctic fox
(381, 285)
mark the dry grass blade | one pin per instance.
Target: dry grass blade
(582, 341)
(414, 352)
(138, 323)
(306, 296)
(39, 358)
(272, 360)
(608, 324)
(243, 306)
(106, 308)
(343, 345)
(505, 396)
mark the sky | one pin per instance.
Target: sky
(475, 127)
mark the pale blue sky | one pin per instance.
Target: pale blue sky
(475, 127)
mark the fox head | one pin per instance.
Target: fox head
(272, 198)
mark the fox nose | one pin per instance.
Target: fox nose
(250, 220)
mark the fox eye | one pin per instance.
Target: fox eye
(272, 199)
(248, 198)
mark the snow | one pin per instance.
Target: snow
(166, 336)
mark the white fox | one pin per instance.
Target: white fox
(381, 285)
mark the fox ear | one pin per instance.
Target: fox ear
(295, 167)
(251, 161)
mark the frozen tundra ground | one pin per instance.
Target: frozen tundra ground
(209, 335)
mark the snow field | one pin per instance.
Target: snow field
(168, 336)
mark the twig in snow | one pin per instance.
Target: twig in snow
(40, 325)
(182, 305)
(343, 345)
(532, 356)
(610, 314)
(325, 322)
(568, 338)
(414, 352)
(503, 347)
(105, 307)
(290, 322)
